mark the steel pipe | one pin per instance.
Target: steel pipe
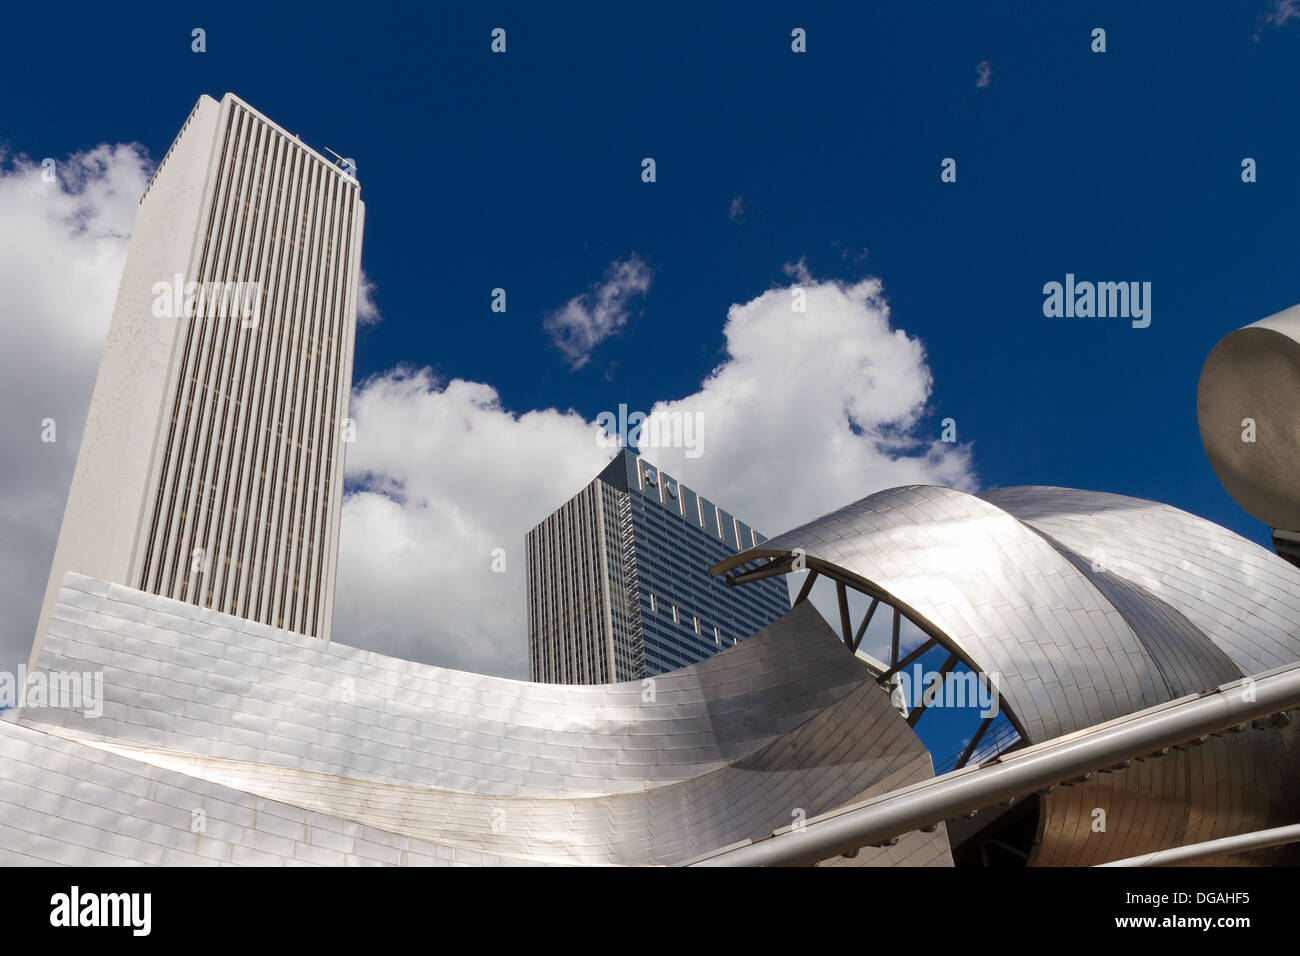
(1192, 852)
(1018, 773)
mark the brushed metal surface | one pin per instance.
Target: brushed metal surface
(1254, 373)
(1088, 607)
(389, 761)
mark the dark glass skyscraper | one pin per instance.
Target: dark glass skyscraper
(618, 582)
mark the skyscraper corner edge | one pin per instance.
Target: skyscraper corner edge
(211, 466)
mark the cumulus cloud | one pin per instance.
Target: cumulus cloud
(983, 74)
(736, 212)
(61, 254)
(589, 319)
(444, 477)
(805, 412)
(810, 410)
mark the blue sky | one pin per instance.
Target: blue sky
(522, 171)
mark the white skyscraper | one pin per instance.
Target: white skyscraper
(211, 467)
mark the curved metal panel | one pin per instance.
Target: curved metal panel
(465, 766)
(1243, 597)
(191, 681)
(1229, 785)
(1087, 606)
(1090, 607)
(1246, 404)
(1188, 661)
(996, 592)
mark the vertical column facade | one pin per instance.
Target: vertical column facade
(618, 582)
(248, 492)
(211, 466)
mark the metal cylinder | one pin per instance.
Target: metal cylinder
(1246, 406)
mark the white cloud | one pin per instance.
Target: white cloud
(1280, 13)
(805, 413)
(810, 411)
(736, 212)
(1284, 10)
(984, 74)
(367, 311)
(589, 319)
(798, 271)
(61, 254)
(449, 475)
